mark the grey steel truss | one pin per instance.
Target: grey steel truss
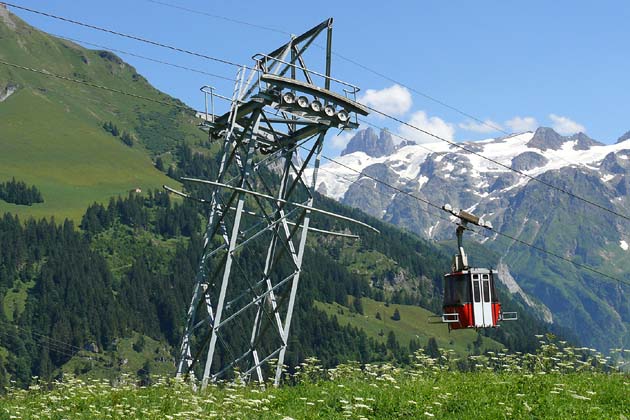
(260, 207)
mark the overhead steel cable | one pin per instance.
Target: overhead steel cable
(53, 345)
(154, 60)
(124, 35)
(496, 162)
(398, 120)
(46, 344)
(337, 54)
(369, 190)
(424, 95)
(522, 242)
(225, 18)
(360, 65)
(422, 146)
(452, 143)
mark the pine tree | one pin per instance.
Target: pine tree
(396, 316)
(357, 305)
(392, 344)
(45, 365)
(127, 139)
(144, 374)
(432, 349)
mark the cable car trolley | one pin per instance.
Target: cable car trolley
(470, 299)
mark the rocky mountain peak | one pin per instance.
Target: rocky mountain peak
(583, 142)
(624, 137)
(371, 143)
(546, 138)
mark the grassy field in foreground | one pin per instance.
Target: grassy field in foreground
(448, 395)
(413, 324)
(558, 382)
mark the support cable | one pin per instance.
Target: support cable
(343, 57)
(94, 85)
(496, 162)
(522, 242)
(46, 342)
(398, 120)
(214, 16)
(360, 65)
(154, 60)
(124, 35)
(380, 181)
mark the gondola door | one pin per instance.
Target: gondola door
(477, 303)
(487, 301)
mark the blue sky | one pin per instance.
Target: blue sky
(518, 65)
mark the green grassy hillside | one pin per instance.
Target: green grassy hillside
(413, 324)
(51, 132)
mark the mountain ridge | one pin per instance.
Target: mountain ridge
(519, 206)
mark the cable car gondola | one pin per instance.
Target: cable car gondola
(470, 299)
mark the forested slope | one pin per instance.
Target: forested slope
(129, 270)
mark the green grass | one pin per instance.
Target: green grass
(70, 160)
(15, 298)
(573, 386)
(51, 133)
(413, 324)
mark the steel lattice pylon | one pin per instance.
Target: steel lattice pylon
(261, 204)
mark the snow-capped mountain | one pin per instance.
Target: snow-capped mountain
(515, 204)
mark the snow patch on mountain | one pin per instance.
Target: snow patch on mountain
(492, 158)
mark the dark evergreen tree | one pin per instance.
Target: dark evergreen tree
(111, 128)
(17, 192)
(396, 315)
(127, 139)
(432, 349)
(392, 344)
(144, 374)
(357, 305)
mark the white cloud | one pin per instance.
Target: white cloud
(340, 141)
(394, 100)
(565, 126)
(487, 126)
(521, 124)
(434, 125)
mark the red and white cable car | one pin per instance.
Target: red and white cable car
(470, 298)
